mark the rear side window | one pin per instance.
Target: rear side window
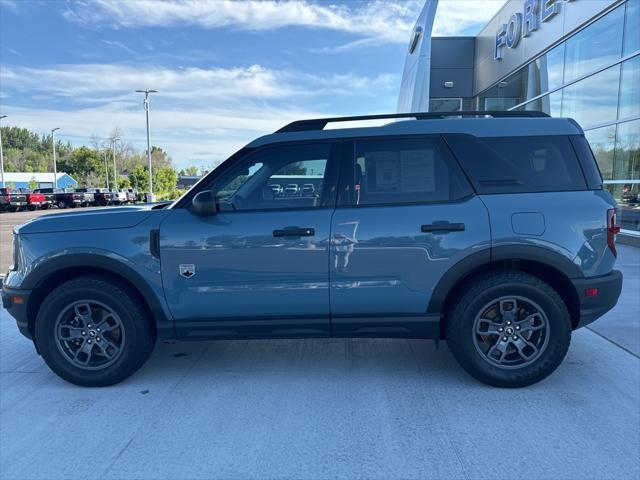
(401, 171)
(518, 164)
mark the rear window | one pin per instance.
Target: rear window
(519, 164)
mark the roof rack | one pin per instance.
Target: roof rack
(320, 123)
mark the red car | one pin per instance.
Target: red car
(34, 200)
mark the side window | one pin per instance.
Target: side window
(280, 177)
(399, 171)
(519, 164)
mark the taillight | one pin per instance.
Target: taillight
(612, 229)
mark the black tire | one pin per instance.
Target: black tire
(62, 204)
(12, 208)
(72, 205)
(509, 288)
(31, 208)
(135, 331)
(45, 206)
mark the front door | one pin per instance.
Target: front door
(260, 266)
(405, 216)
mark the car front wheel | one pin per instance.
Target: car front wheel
(92, 333)
(508, 329)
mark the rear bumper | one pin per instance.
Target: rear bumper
(609, 288)
(17, 308)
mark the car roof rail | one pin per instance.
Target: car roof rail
(321, 123)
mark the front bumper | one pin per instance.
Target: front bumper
(15, 302)
(593, 307)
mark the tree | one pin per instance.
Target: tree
(190, 171)
(33, 184)
(82, 163)
(139, 178)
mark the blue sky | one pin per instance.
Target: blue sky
(226, 71)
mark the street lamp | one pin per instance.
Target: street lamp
(146, 109)
(115, 168)
(106, 169)
(1, 157)
(55, 169)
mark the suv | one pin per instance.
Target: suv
(488, 229)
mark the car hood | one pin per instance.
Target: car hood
(83, 220)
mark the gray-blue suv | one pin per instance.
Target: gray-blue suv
(490, 230)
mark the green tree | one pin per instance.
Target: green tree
(82, 163)
(139, 178)
(33, 184)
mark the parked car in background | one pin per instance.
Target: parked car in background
(34, 200)
(122, 196)
(308, 189)
(291, 190)
(132, 195)
(12, 200)
(103, 196)
(49, 197)
(70, 199)
(88, 196)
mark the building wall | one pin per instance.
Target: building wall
(571, 15)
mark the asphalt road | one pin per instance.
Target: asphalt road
(334, 408)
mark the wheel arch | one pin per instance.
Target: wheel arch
(549, 266)
(45, 278)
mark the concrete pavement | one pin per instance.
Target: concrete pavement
(334, 408)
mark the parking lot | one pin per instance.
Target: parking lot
(335, 408)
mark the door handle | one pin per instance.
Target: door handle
(294, 232)
(442, 227)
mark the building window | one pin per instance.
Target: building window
(597, 45)
(445, 104)
(631, 30)
(594, 100)
(630, 89)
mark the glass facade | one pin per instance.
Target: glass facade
(594, 77)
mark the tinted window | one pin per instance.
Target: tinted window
(518, 164)
(293, 176)
(402, 171)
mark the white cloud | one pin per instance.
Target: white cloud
(384, 20)
(199, 116)
(454, 17)
(391, 20)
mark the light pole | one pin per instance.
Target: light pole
(106, 168)
(146, 109)
(1, 157)
(115, 168)
(55, 168)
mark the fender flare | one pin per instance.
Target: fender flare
(35, 279)
(477, 260)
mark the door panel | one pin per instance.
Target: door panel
(260, 266)
(405, 216)
(246, 281)
(383, 264)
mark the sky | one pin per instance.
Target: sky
(226, 71)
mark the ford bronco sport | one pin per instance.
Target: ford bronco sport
(490, 230)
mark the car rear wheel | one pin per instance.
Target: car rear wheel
(92, 333)
(62, 204)
(508, 328)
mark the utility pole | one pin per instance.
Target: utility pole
(115, 168)
(55, 168)
(1, 157)
(106, 168)
(146, 109)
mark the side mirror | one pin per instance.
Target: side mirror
(204, 203)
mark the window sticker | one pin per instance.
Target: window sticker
(417, 171)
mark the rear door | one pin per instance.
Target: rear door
(406, 214)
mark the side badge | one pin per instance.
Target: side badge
(187, 270)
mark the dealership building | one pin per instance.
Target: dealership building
(569, 58)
